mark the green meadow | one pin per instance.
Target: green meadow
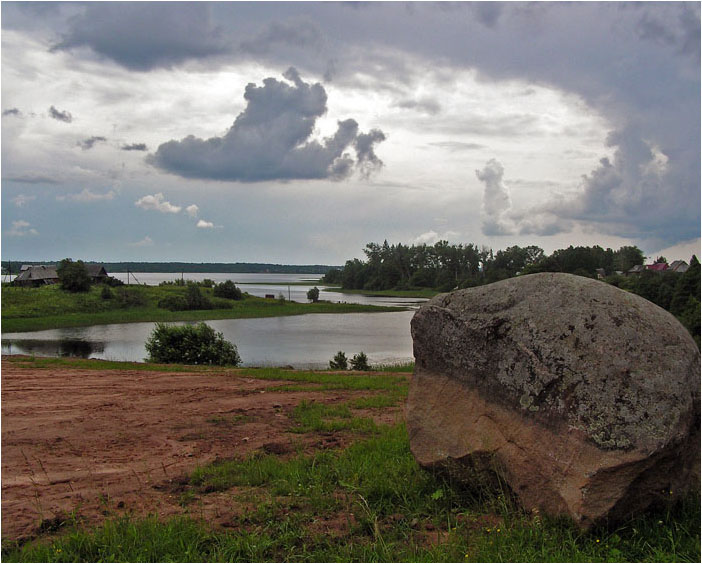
(50, 307)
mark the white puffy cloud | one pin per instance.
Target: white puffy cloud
(87, 196)
(202, 224)
(21, 200)
(156, 202)
(192, 210)
(145, 242)
(21, 228)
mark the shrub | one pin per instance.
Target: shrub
(338, 362)
(190, 344)
(207, 283)
(106, 293)
(360, 362)
(195, 299)
(112, 281)
(173, 303)
(73, 276)
(313, 294)
(227, 290)
(130, 297)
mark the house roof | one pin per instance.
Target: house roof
(96, 270)
(658, 267)
(679, 266)
(38, 272)
(637, 268)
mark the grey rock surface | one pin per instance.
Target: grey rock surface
(585, 397)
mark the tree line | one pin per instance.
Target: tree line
(445, 267)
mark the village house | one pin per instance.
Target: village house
(32, 275)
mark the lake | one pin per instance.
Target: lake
(301, 341)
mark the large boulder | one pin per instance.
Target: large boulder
(582, 398)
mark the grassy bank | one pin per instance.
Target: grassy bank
(418, 293)
(369, 501)
(49, 307)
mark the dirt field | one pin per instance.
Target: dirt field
(89, 441)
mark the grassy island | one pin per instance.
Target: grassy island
(50, 307)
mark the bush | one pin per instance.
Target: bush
(173, 303)
(338, 362)
(112, 281)
(106, 293)
(130, 297)
(73, 276)
(195, 299)
(227, 290)
(360, 362)
(190, 344)
(313, 294)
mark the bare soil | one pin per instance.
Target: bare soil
(91, 442)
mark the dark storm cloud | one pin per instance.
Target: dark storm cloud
(425, 105)
(271, 140)
(487, 13)
(31, 179)
(455, 146)
(89, 143)
(145, 35)
(59, 115)
(12, 112)
(135, 147)
(286, 34)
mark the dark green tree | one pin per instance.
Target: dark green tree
(227, 290)
(313, 294)
(360, 362)
(73, 276)
(339, 361)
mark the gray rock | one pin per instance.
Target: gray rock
(583, 398)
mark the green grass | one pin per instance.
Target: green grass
(389, 510)
(49, 307)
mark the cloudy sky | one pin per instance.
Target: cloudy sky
(298, 132)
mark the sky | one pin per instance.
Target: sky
(298, 132)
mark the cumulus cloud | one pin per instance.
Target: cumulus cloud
(145, 35)
(192, 210)
(86, 196)
(21, 200)
(58, 115)
(202, 224)
(431, 237)
(135, 147)
(145, 242)
(498, 217)
(496, 200)
(21, 228)
(272, 140)
(86, 144)
(12, 112)
(637, 193)
(156, 203)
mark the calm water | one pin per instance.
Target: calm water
(302, 341)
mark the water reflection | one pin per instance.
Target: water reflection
(302, 341)
(61, 347)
